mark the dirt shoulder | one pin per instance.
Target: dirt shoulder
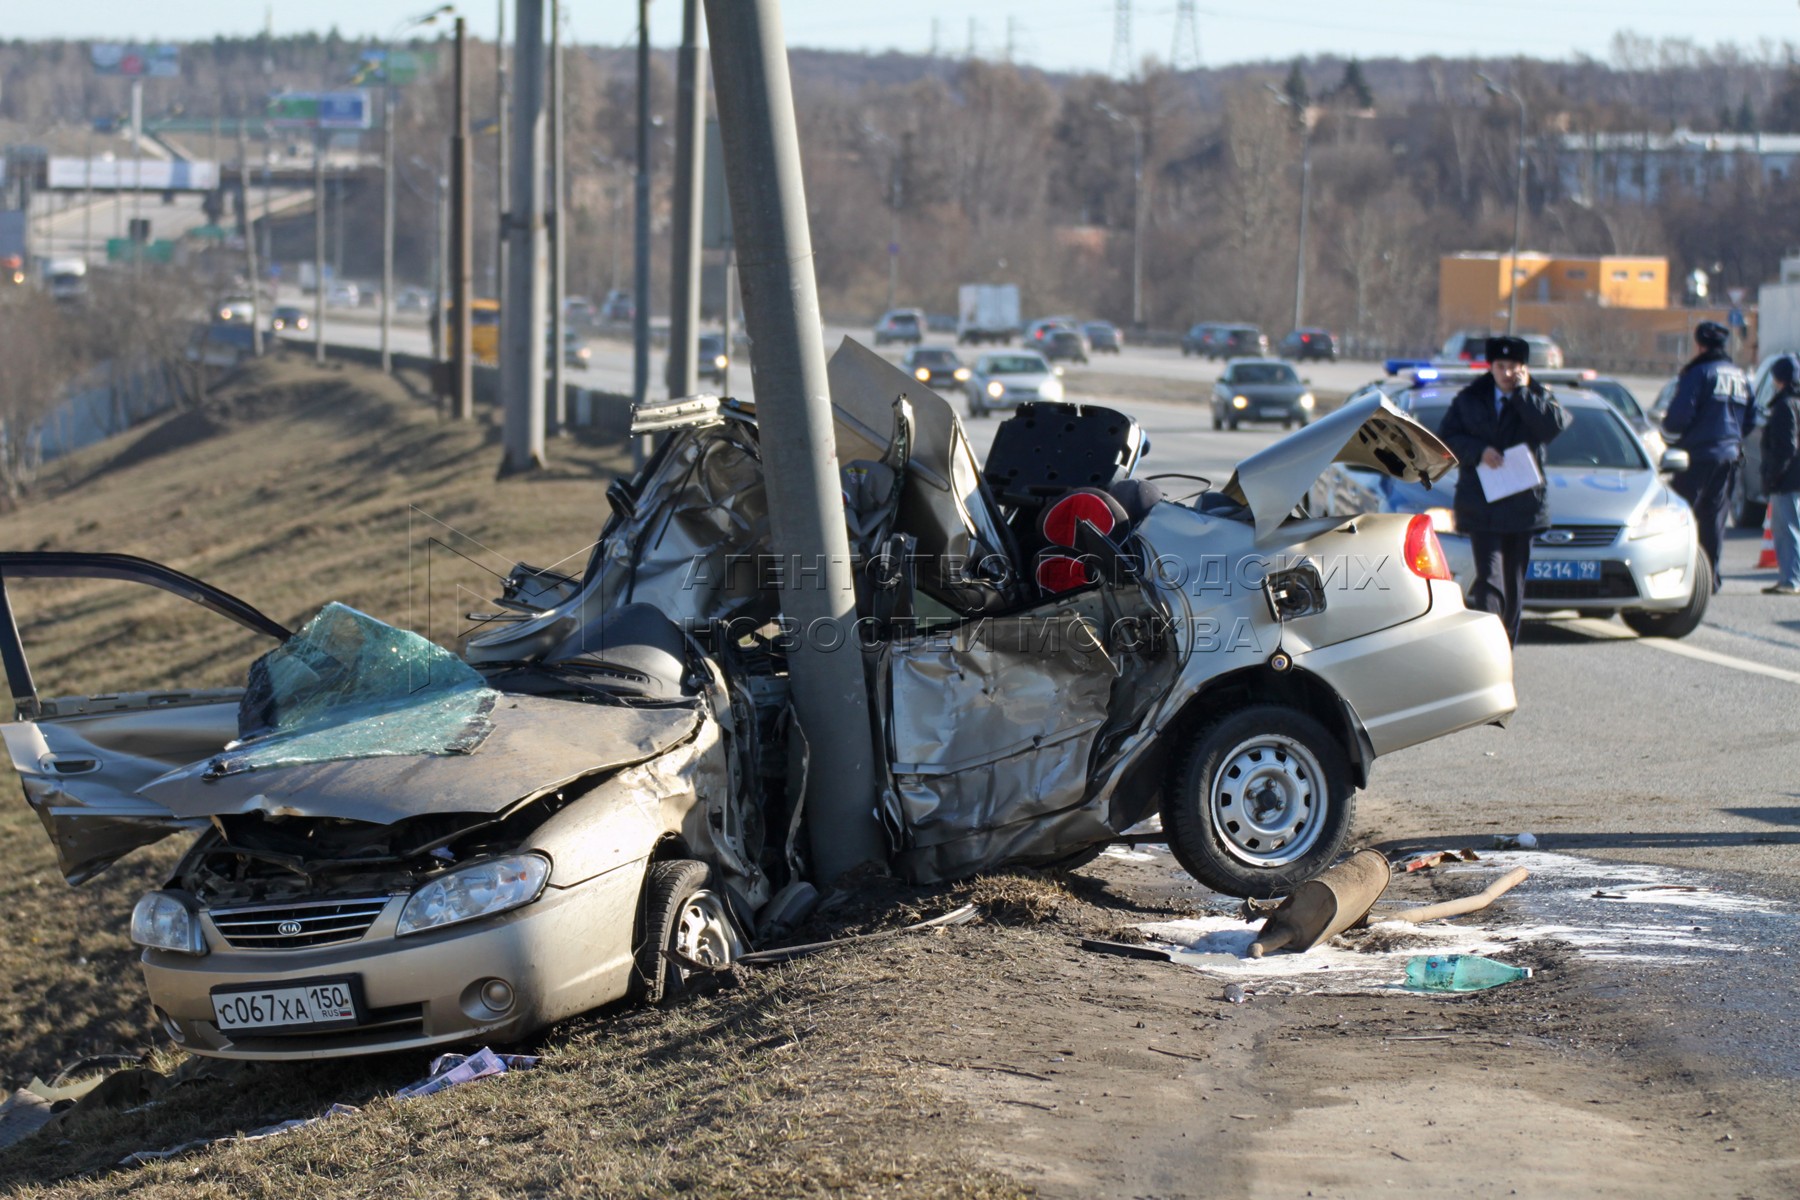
(1001, 1059)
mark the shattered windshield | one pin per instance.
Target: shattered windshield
(349, 686)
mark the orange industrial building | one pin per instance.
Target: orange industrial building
(1607, 311)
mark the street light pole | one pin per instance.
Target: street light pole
(640, 319)
(557, 416)
(462, 241)
(690, 158)
(1512, 283)
(1299, 111)
(387, 229)
(1137, 206)
(522, 312)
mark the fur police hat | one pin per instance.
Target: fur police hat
(1513, 349)
(1783, 369)
(1711, 334)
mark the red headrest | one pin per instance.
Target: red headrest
(1083, 504)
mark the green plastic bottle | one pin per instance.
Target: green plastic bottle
(1459, 973)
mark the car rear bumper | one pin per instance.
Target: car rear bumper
(567, 952)
(1450, 669)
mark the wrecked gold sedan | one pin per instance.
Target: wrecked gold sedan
(601, 792)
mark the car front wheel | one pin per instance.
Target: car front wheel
(1261, 803)
(683, 915)
(1684, 620)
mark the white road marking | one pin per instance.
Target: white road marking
(1605, 629)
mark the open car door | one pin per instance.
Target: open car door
(82, 759)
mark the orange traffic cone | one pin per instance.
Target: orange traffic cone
(1766, 560)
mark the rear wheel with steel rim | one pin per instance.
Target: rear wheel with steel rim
(1261, 803)
(683, 914)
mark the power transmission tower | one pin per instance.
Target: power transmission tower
(1123, 60)
(934, 37)
(1012, 35)
(973, 25)
(1184, 48)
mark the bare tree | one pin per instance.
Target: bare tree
(37, 350)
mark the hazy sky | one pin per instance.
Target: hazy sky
(1058, 34)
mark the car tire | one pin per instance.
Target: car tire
(1218, 422)
(1684, 620)
(1184, 352)
(977, 410)
(1231, 851)
(1234, 426)
(680, 913)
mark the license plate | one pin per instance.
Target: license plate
(310, 1004)
(1272, 414)
(1578, 571)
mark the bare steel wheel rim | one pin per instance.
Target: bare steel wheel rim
(1267, 800)
(703, 932)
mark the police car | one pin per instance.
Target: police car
(1620, 541)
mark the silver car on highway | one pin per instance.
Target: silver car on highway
(1621, 541)
(1009, 378)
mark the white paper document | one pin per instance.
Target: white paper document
(1517, 472)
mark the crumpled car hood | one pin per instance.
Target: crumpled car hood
(1368, 431)
(536, 746)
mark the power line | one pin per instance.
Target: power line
(1123, 60)
(1184, 47)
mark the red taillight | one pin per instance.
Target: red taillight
(1424, 553)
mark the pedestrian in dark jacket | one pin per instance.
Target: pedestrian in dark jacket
(1781, 476)
(1502, 409)
(1710, 416)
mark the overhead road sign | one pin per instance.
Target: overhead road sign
(320, 110)
(155, 62)
(148, 174)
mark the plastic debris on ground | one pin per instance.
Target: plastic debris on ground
(1438, 858)
(1460, 973)
(1516, 841)
(449, 1070)
(140, 1157)
(349, 686)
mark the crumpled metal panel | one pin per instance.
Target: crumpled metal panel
(537, 745)
(989, 745)
(1367, 431)
(349, 686)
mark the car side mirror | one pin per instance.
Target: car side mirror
(1673, 461)
(1307, 381)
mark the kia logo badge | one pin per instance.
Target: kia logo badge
(288, 928)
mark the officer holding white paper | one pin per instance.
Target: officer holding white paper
(1502, 508)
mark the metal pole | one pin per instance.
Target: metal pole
(87, 199)
(268, 255)
(1512, 291)
(137, 174)
(799, 445)
(1300, 254)
(502, 191)
(440, 256)
(730, 313)
(522, 309)
(387, 229)
(319, 245)
(558, 194)
(256, 329)
(640, 320)
(690, 164)
(1137, 226)
(462, 241)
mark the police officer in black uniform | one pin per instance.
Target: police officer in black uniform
(1710, 415)
(1502, 409)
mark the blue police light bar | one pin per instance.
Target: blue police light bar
(1396, 365)
(1425, 374)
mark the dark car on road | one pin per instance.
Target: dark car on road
(1195, 339)
(1104, 337)
(1313, 342)
(935, 366)
(1226, 341)
(289, 317)
(1063, 344)
(1260, 389)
